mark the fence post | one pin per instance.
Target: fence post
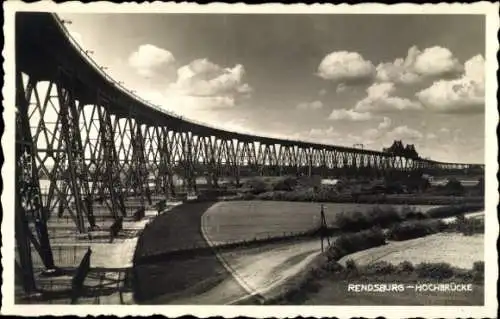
(119, 288)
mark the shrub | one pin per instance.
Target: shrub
(415, 215)
(453, 210)
(405, 266)
(454, 187)
(413, 229)
(384, 217)
(466, 226)
(379, 268)
(286, 184)
(394, 188)
(478, 276)
(434, 270)
(352, 221)
(256, 185)
(464, 275)
(333, 267)
(378, 216)
(478, 266)
(413, 182)
(473, 226)
(248, 196)
(350, 243)
(351, 265)
(460, 219)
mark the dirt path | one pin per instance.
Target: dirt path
(255, 272)
(259, 270)
(268, 270)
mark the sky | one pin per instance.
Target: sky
(335, 79)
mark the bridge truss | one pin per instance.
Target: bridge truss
(80, 139)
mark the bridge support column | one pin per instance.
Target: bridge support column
(111, 184)
(213, 160)
(139, 171)
(189, 168)
(165, 167)
(28, 197)
(76, 172)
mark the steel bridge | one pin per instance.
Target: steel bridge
(82, 138)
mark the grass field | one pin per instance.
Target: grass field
(456, 249)
(244, 220)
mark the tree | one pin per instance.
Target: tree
(286, 184)
(454, 187)
(256, 185)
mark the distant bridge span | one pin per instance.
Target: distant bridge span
(84, 136)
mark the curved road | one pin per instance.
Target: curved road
(175, 264)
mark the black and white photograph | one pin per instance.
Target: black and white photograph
(164, 155)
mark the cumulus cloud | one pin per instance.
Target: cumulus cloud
(318, 135)
(205, 78)
(417, 65)
(333, 137)
(345, 67)
(401, 70)
(245, 89)
(148, 58)
(322, 92)
(188, 105)
(315, 105)
(240, 125)
(404, 133)
(385, 124)
(379, 99)
(203, 85)
(349, 115)
(431, 136)
(211, 102)
(328, 132)
(465, 94)
(341, 88)
(154, 97)
(371, 132)
(436, 61)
